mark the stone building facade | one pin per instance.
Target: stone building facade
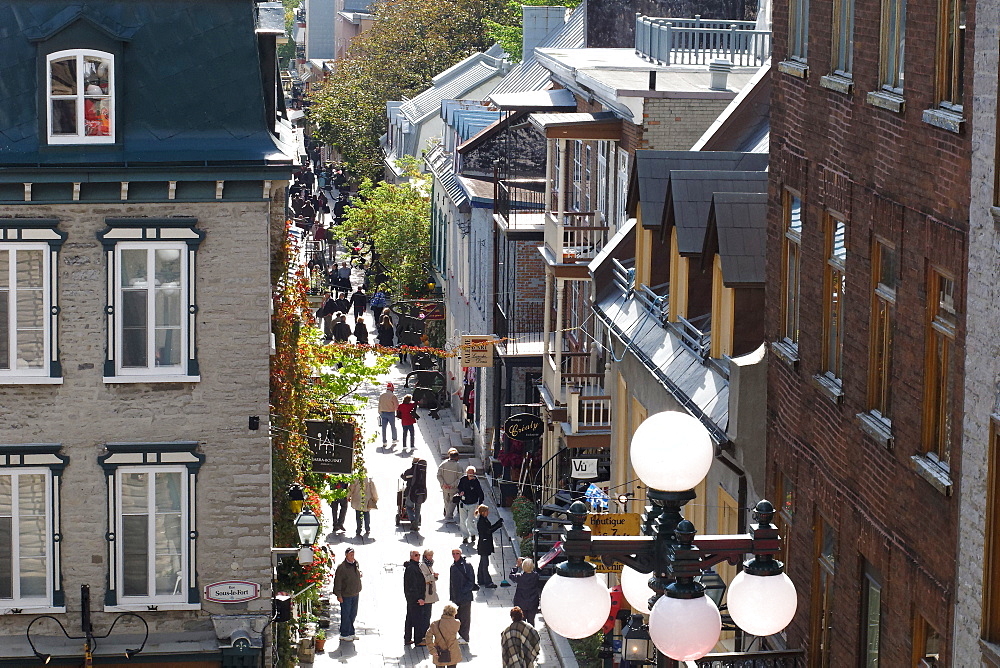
(135, 287)
(867, 248)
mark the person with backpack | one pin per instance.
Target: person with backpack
(415, 491)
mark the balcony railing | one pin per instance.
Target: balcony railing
(588, 412)
(655, 301)
(577, 238)
(674, 41)
(517, 197)
(695, 333)
(788, 658)
(624, 277)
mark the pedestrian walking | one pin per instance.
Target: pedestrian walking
(342, 303)
(470, 494)
(430, 583)
(387, 406)
(325, 315)
(529, 588)
(379, 302)
(519, 642)
(407, 414)
(364, 499)
(345, 275)
(442, 639)
(413, 592)
(361, 335)
(449, 473)
(415, 491)
(347, 589)
(461, 584)
(386, 332)
(341, 330)
(485, 545)
(359, 300)
(338, 509)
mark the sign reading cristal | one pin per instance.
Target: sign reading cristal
(232, 591)
(524, 427)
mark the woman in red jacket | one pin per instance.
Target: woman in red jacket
(407, 413)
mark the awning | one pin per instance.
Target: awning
(601, 125)
(535, 100)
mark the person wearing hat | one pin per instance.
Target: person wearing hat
(449, 473)
(347, 589)
(388, 404)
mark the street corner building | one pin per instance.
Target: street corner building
(142, 174)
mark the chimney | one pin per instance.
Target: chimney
(538, 23)
(720, 69)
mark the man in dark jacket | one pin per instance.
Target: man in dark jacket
(359, 300)
(414, 586)
(462, 584)
(485, 545)
(341, 330)
(471, 495)
(347, 588)
(342, 304)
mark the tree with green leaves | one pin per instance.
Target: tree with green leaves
(409, 42)
(396, 219)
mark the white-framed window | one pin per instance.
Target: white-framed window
(80, 91)
(151, 307)
(151, 282)
(621, 187)
(28, 301)
(151, 529)
(25, 538)
(602, 181)
(152, 533)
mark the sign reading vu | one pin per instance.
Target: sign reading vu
(332, 445)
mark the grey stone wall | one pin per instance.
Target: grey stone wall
(982, 348)
(84, 413)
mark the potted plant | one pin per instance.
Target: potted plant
(320, 640)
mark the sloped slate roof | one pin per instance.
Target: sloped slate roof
(440, 164)
(360, 6)
(737, 229)
(454, 83)
(528, 74)
(691, 199)
(166, 108)
(652, 169)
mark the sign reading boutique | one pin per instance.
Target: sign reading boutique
(524, 427)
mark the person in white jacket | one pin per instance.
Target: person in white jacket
(449, 473)
(364, 498)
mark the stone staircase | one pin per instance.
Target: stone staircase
(455, 435)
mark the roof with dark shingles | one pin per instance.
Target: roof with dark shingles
(652, 170)
(737, 230)
(167, 108)
(690, 199)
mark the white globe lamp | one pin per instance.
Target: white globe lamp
(671, 452)
(762, 605)
(575, 607)
(635, 587)
(685, 629)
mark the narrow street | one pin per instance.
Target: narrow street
(382, 555)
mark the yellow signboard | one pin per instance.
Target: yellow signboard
(612, 524)
(477, 350)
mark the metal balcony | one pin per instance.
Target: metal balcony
(577, 238)
(675, 41)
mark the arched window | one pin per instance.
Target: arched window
(80, 90)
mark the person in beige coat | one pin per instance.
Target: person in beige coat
(363, 503)
(443, 634)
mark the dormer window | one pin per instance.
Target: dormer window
(81, 89)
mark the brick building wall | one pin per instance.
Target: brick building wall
(892, 176)
(982, 348)
(675, 124)
(84, 413)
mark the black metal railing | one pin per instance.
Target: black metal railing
(785, 658)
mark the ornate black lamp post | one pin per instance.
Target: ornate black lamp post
(684, 623)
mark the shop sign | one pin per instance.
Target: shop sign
(232, 591)
(612, 524)
(477, 350)
(524, 427)
(584, 469)
(332, 446)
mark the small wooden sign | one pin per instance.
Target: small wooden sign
(232, 591)
(524, 427)
(477, 350)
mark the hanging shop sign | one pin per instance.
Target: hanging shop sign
(232, 591)
(524, 427)
(431, 309)
(612, 524)
(332, 446)
(477, 350)
(584, 469)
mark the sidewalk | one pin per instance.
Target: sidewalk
(382, 555)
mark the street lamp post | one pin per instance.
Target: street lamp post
(684, 623)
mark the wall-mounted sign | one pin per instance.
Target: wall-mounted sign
(612, 524)
(477, 350)
(332, 446)
(584, 469)
(524, 427)
(232, 591)
(431, 309)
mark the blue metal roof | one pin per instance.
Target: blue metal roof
(188, 82)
